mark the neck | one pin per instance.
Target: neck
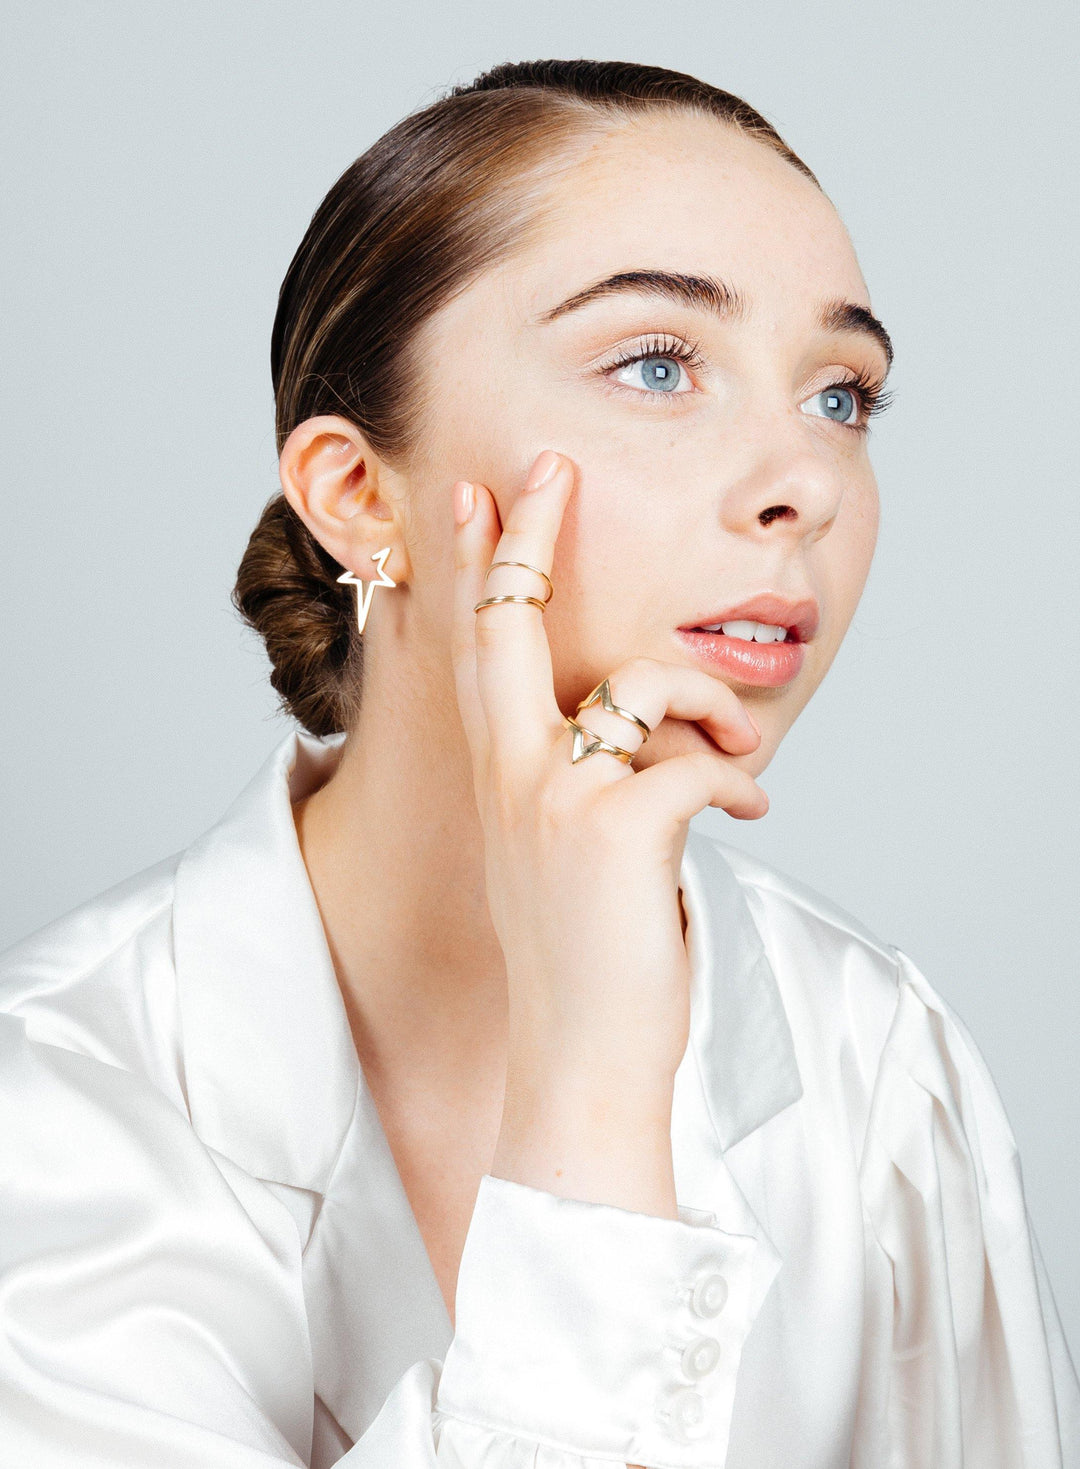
(394, 850)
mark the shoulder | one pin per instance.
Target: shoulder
(99, 979)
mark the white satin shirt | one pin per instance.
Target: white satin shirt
(208, 1260)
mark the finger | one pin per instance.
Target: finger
(655, 690)
(673, 791)
(513, 658)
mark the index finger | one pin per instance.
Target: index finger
(514, 677)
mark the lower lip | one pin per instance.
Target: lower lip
(766, 664)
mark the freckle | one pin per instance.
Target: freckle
(558, 1173)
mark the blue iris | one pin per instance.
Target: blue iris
(661, 372)
(837, 403)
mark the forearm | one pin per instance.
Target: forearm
(583, 1142)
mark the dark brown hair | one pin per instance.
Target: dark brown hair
(438, 199)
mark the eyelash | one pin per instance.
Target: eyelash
(872, 397)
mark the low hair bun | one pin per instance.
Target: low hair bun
(287, 590)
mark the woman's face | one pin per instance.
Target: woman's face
(727, 462)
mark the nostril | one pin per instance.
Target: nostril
(774, 512)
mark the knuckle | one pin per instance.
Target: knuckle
(514, 538)
(641, 666)
(486, 631)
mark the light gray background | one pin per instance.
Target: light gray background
(160, 165)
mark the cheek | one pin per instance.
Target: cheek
(616, 541)
(842, 560)
(860, 539)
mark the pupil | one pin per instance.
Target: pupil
(839, 403)
(661, 372)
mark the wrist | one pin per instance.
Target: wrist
(581, 1143)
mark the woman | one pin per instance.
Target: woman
(451, 1101)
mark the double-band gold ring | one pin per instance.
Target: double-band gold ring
(533, 601)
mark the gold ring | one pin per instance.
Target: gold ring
(490, 602)
(603, 693)
(582, 751)
(551, 589)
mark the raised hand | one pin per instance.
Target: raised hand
(581, 871)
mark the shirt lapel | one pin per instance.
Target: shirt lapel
(271, 1067)
(740, 1035)
(274, 1083)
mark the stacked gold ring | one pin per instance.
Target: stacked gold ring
(583, 750)
(586, 741)
(603, 693)
(532, 601)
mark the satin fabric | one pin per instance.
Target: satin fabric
(208, 1260)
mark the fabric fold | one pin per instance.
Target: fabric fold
(959, 1370)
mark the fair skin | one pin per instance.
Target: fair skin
(458, 919)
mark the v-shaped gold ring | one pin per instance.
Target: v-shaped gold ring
(583, 750)
(603, 693)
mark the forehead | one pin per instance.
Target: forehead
(688, 193)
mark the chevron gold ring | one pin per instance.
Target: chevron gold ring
(587, 743)
(603, 693)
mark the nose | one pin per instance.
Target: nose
(788, 488)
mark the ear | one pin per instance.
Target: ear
(337, 485)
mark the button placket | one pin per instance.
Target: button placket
(681, 1409)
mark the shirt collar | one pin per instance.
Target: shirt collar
(271, 1069)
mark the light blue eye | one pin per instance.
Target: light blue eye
(837, 403)
(659, 374)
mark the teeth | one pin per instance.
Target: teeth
(756, 632)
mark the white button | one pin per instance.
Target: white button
(701, 1357)
(709, 1295)
(682, 1414)
(688, 1413)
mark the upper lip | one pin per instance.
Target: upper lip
(800, 618)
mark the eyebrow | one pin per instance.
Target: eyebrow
(705, 293)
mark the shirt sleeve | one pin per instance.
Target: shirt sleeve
(965, 1361)
(152, 1311)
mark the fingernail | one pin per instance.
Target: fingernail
(543, 470)
(464, 501)
(753, 721)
